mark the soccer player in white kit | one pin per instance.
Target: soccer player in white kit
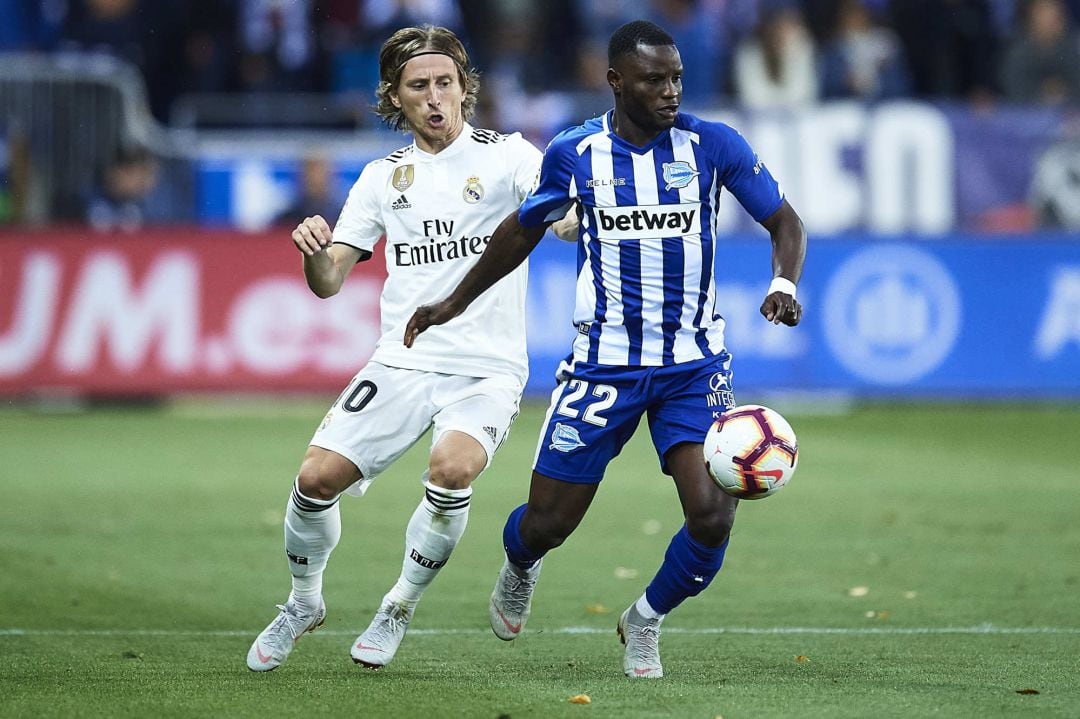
(436, 202)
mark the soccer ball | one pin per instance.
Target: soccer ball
(751, 451)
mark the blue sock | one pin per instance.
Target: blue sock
(516, 551)
(688, 568)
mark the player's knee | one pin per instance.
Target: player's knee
(710, 528)
(314, 484)
(452, 472)
(323, 478)
(545, 532)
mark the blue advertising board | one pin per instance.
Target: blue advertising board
(952, 317)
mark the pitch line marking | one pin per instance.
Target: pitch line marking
(979, 629)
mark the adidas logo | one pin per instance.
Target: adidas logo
(400, 204)
(491, 432)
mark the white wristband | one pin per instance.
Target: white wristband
(781, 284)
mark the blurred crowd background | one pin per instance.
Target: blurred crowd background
(155, 154)
(110, 110)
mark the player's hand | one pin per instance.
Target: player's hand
(312, 235)
(427, 315)
(781, 307)
(566, 229)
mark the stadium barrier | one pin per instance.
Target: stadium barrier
(74, 112)
(185, 310)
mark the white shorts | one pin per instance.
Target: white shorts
(385, 410)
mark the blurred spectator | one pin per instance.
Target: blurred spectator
(774, 68)
(31, 25)
(863, 60)
(207, 46)
(14, 174)
(141, 32)
(697, 36)
(950, 45)
(602, 17)
(1055, 187)
(1043, 63)
(277, 46)
(352, 32)
(381, 18)
(108, 26)
(317, 195)
(531, 86)
(122, 201)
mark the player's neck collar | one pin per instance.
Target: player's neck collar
(453, 148)
(609, 127)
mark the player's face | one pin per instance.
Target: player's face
(430, 94)
(648, 88)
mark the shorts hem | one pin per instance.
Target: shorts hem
(490, 452)
(345, 452)
(576, 479)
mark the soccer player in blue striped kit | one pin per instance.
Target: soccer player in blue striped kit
(646, 178)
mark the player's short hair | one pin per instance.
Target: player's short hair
(626, 38)
(404, 45)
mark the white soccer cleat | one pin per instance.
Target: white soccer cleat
(272, 647)
(642, 639)
(379, 642)
(511, 601)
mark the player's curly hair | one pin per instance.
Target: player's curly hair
(406, 44)
(627, 37)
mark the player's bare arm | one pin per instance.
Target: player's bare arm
(789, 251)
(510, 244)
(326, 265)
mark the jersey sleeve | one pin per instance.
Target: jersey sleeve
(360, 223)
(746, 177)
(551, 197)
(525, 162)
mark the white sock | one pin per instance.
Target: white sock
(645, 609)
(433, 532)
(312, 530)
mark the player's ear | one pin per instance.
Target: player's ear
(615, 80)
(394, 100)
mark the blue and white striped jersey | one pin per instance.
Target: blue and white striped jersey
(647, 245)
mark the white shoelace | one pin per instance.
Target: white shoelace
(292, 621)
(518, 591)
(644, 643)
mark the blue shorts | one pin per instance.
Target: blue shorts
(596, 408)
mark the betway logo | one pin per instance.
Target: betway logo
(638, 222)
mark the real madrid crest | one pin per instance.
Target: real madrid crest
(403, 178)
(474, 191)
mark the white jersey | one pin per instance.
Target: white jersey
(437, 213)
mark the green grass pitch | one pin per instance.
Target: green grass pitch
(925, 561)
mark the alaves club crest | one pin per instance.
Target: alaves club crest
(474, 191)
(565, 438)
(678, 174)
(403, 178)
